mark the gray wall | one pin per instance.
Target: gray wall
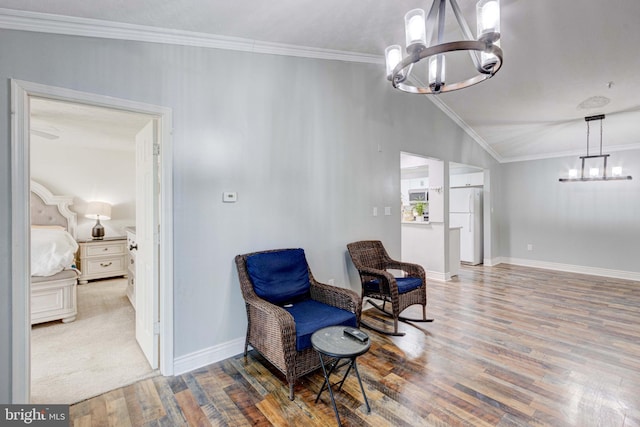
(594, 224)
(296, 138)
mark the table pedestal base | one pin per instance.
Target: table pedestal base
(352, 364)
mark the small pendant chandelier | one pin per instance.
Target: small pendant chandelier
(594, 172)
(484, 50)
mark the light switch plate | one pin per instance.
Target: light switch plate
(229, 197)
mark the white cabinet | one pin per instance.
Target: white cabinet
(99, 259)
(466, 180)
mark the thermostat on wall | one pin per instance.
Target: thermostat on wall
(229, 197)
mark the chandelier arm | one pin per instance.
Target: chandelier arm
(466, 32)
(443, 48)
(605, 160)
(587, 138)
(408, 73)
(431, 21)
(441, 16)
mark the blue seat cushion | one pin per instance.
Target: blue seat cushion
(310, 316)
(280, 277)
(405, 284)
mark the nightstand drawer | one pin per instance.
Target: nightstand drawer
(105, 249)
(100, 259)
(104, 265)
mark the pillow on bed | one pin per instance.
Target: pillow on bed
(52, 250)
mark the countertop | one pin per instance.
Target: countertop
(426, 223)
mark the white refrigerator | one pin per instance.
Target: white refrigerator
(465, 211)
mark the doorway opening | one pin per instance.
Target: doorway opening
(466, 210)
(423, 227)
(159, 303)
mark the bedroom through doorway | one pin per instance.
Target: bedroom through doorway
(154, 310)
(89, 153)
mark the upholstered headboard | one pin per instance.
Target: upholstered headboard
(47, 209)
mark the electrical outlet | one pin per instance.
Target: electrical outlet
(529, 247)
(375, 211)
(387, 210)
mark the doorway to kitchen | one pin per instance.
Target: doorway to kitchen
(423, 227)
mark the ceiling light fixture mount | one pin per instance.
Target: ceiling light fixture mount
(484, 50)
(594, 172)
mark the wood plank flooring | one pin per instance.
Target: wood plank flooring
(510, 346)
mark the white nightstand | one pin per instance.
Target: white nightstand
(99, 259)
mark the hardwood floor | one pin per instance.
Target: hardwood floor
(510, 346)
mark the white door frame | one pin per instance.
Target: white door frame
(21, 91)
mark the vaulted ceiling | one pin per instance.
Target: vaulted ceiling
(563, 60)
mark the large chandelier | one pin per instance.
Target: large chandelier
(484, 50)
(594, 172)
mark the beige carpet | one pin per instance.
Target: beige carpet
(92, 355)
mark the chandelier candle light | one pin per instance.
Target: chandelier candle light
(484, 50)
(594, 172)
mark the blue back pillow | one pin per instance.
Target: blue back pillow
(280, 277)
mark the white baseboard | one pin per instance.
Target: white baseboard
(231, 348)
(438, 276)
(492, 262)
(593, 271)
(207, 356)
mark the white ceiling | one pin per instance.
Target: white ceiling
(557, 56)
(78, 125)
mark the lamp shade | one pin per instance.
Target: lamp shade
(437, 72)
(415, 30)
(393, 56)
(98, 210)
(488, 15)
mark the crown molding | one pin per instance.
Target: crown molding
(437, 101)
(68, 25)
(12, 19)
(472, 133)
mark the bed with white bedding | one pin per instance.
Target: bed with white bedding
(53, 246)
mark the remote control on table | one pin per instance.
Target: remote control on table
(357, 334)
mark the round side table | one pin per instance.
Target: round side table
(334, 343)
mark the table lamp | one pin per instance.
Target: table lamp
(98, 211)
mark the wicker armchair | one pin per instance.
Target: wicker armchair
(285, 305)
(372, 262)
